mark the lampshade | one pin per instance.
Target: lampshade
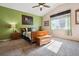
(13, 26)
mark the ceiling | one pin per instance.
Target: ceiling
(27, 7)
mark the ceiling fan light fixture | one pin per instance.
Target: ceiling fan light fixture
(41, 6)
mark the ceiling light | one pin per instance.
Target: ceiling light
(41, 6)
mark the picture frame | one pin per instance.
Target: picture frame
(27, 20)
(77, 16)
(46, 23)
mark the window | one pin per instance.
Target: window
(61, 22)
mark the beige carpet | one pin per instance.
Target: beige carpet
(13, 45)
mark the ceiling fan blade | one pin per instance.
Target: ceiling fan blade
(46, 6)
(35, 6)
(40, 9)
(41, 3)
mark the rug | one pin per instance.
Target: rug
(54, 46)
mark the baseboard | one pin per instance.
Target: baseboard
(4, 40)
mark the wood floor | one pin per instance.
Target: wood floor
(22, 48)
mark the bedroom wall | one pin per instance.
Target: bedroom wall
(61, 33)
(9, 16)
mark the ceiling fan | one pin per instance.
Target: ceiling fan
(41, 5)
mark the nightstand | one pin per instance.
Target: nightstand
(15, 35)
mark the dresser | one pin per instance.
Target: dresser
(15, 35)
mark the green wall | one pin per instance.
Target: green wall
(9, 16)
